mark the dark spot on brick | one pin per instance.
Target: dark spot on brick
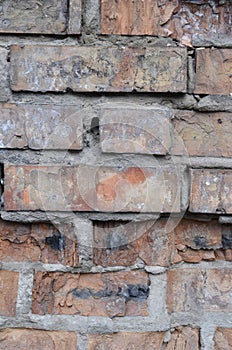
(200, 242)
(56, 242)
(129, 292)
(219, 121)
(227, 238)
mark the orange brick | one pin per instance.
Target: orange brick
(108, 294)
(194, 289)
(38, 242)
(89, 188)
(8, 292)
(28, 339)
(213, 71)
(211, 191)
(185, 338)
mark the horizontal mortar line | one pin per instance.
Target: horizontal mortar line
(203, 264)
(39, 216)
(201, 318)
(88, 323)
(210, 162)
(37, 266)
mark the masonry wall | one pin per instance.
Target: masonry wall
(116, 174)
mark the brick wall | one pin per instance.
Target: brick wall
(116, 174)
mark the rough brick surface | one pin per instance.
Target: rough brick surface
(38, 242)
(184, 338)
(40, 127)
(24, 16)
(213, 71)
(121, 243)
(55, 68)
(160, 242)
(87, 188)
(211, 191)
(4, 71)
(108, 294)
(135, 130)
(178, 19)
(8, 292)
(28, 339)
(223, 339)
(74, 23)
(202, 134)
(191, 290)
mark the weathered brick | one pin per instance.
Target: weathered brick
(199, 234)
(177, 19)
(130, 129)
(202, 134)
(47, 17)
(108, 294)
(38, 242)
(89, 188)
(158, 242)
(211, 191)
(40, 127)
(8, 292)
(74, 23)
(28, 339)
(213, 71)
(223, 339)
(121, 243)
(194, 289)
(58, 68)
(4, 72)
(185, 338)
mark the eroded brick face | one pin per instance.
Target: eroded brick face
(135, 130)
(28, 339)
(162, 242)
(54, 68)
(8, 292)
(211, 191)
(208, 290)
(47, 17)
(178, 19)
(213, 71)
(40, 127)
(185, 338)
(108, 294)
(38, 242)
(202, 134)
(223, 339)
(89, 188)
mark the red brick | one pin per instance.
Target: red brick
(8, 292)
(185, 338)
(213, 71)
(202, 134)
(40, 127)
(108, 294)
(57, 68)
(130, 129)
(121, 243)
(47, 17)
(86, 188)
(28, 339)
(194, 289)
(211, 191)
(165, 18)
(223, 339)
(38, 242)
(74, 24)
(158, 242)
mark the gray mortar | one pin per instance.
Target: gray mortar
(215, 40)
